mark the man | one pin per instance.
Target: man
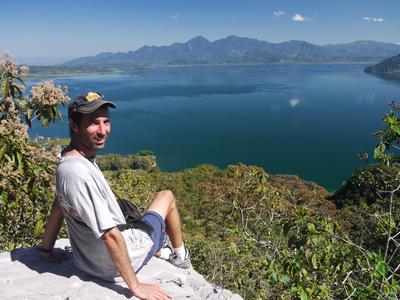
(92, 213)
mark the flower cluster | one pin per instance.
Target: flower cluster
(7, 106)
(46, 93)
(24, 71)
(11, 67)
(13, 130)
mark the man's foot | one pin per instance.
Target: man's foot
(175, 260)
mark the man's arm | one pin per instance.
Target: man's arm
(115, 244)
(50, 234)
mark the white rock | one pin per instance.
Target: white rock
(24, 276)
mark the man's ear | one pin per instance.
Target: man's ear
(73, 126)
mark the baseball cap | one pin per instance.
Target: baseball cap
(88, 103)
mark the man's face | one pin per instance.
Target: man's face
(93, 130)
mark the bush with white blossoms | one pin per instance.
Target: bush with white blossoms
(26, 170)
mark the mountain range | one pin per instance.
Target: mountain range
(241, 50)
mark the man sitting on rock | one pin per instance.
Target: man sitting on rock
(92, 213)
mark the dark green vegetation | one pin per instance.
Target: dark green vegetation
(263, 236)
(84, 69)
(230, 50)
(144, 160)
(390, 66)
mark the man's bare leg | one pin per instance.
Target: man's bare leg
(164, 203)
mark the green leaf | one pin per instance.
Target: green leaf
(379, 150)
(396, 128)
(8, 157)
(316, 241)
(275, 276)
(390, 118)
(19, 160)
(311, 227)
(314, 261)
(38, 228)
(371, 254)
(308, 253)
(381, 267)
(4, 196)
(284, 279)
(303, 295)
(329, 227)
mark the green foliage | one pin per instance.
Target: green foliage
(133, 185)
(264, 246)
(144, 160)
(389, 136)
(364, 185)
(272, 236)
(27, 188)
(63, 70)
(27, 171)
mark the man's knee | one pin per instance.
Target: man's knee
(167, 196)
(163, 203)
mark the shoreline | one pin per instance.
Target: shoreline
(147, 68)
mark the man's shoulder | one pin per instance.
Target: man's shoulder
(73, 166)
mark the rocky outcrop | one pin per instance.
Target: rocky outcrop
(24, 276)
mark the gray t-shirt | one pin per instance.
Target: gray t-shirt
(85, 195)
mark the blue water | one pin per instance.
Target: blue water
(308, 120)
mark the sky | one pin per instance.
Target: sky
(54, 30)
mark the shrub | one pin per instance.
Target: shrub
(262, 245)
(27, 171)
(143, 160)
(364, 185)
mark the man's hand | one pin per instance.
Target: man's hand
(150, 292)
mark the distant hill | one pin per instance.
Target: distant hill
(390, 66)
(230, 50)
(233, 49)
(367, 50)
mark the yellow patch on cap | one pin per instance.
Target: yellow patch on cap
(91, 96)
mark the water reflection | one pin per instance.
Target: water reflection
(294, 102)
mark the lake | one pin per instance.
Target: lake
(303, 119)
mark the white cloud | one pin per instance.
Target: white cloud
(370, 19)
(279, 13)
(300, 18)
(294, 102)
(175, 17)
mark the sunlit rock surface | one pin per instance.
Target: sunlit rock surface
(24, 276)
